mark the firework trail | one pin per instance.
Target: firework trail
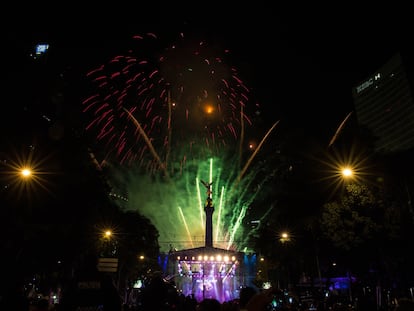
(256, 151)
(339, 129)
(179, 110)
(148, 142)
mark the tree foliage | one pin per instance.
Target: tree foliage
(362, 215)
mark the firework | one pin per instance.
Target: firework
(177, 208)
(179, 110)
(155, 100)
(339, 129)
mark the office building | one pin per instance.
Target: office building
(384, 105)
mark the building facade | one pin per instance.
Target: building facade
(384, 106)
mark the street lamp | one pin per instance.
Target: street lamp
(347, 172)
(23, 179)
(341, 167)
(108, 243)
(26, 173)
(284, 237)
(107, 234)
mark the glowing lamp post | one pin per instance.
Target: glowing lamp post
(347, 172)
(26, 173)
(107, 234)
(107, 262)
(108, 243)
(284, 237)
(26, 176)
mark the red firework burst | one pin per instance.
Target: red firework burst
(159, 105)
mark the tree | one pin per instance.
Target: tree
(368, 223)
(354, 219)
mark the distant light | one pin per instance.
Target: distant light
(284, 237)
(267, 285)
(26, 172)
(41, 48)
(138, 284)
(46, 118)
(347, 172)
(208, 108)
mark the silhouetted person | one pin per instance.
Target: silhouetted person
(261, 300)
(209, 304)
(158, 295)
(42, 305)
(190, 303)
(246, 293)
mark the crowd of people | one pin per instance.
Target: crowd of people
(90, 289)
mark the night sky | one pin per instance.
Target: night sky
(301, 63)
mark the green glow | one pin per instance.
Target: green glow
(200, 203)
(211, 171)
(218, 225)
(185, 224)
(175, 205)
